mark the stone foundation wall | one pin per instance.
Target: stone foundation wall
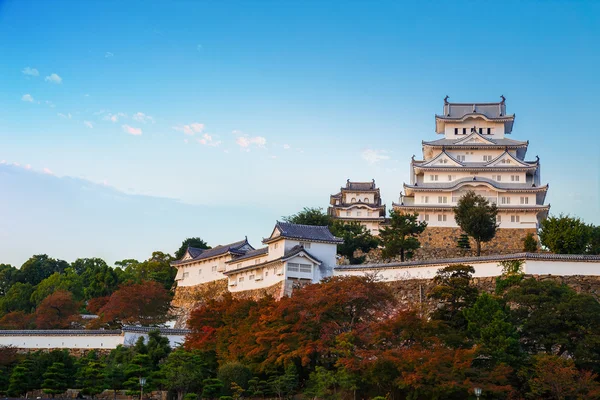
(412, 293)
(438, 242)
(274, 291)
(188, 298)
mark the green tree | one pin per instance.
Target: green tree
(92, 377)
(594, 244)
(454, 292)
(489, 325)
(139, 366)
(17, 298)
(81, 265)
(99, 281)
(212, 388)
(157, 268)
(476, 217)
(530, 244)
(399, 237)
(512, 275)
(183, 371)
(158, 347)
(565, 235)
(356, 237)
(19, 381)
(190, 242)
(114, 376)
(68, 281)
(322, 383)
(8, 277)
(233, 371)
(463, 242)
(55, 379)
(284, 385)
(39, 267)
(310, 216)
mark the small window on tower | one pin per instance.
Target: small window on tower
(489, 131)
(464, 131)
(366, 200)
(456, 131)
(348, 213)
(481, 131)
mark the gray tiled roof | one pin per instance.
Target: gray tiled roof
(195, 251)
(286, 256)
(163, 331)
(360, 185)
(305, 232)
(91, 332)
(468, 260)
(234, 248)
(459, 110)
(497, 185)
(249, 254)
(497, 142)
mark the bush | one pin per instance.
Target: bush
(233, 372)
(190, 396)
(225, 398)
(530, 244)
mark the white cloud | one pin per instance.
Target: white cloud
(30, 71)
(53, 78)
(191, 129)
(27, 97)
(246, 141)
(207, 140)
(108, 54)
(88, 124)
(286, 146)
(49, 104)
(28, 166)
(48, 171)
(131, 130)
(374, 156)
(114, 117)
(66, 116)
(141, 117)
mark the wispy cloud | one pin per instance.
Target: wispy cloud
(191, 129)
(48, 171)
(141, 117)
(208, 140)
(66, 116)
(49, 104)
(114, 117)
(374, 156)
(27, 97)
(286, 147)
(30, 71)
(53, 78)
(88, 124)
(108, 54)
(131, 130)
(246, 141)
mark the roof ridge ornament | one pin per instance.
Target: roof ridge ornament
(474, 108)
(446, 99)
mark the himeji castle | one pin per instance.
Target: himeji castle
(358, 202)
(475, 154)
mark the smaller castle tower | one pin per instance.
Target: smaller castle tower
(359, 202)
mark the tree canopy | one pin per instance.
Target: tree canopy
(476, 217)
(399, 236)
(310, 216)
(356, 237)
(565, 234)
(190, 242)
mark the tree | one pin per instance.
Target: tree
(530, 244)
(17, 298)
(157, 268)
(8, 277)
(594, 244)
(98, 278)
(212, 388)
(310, 216)
(16, 320)
(39, 267)
(284, 385)
(19, 381)
(68, 281)
(463, 242)
(55, 379)
(190, 242)
(400, 236)
(454, 292)
(356, 237)
(91, 375)
(147, 303)
(565, 235)
(56, 311)
(158, 347)
(183, 371)
(476, 217)
(557, 378)
(233, 372)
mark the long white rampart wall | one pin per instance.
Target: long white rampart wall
(64, 339)
(393, 272)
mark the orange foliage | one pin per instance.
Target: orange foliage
(146, 303)
(16, 320)
(57, 311)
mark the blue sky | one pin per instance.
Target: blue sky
(226, 116)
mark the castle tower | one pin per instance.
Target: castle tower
(359, 202)
(475, 155)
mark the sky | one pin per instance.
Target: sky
(126, 127)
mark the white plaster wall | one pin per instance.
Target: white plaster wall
(323, 251)
(497, 128)
(424, 272)
(270, 276)
(201, 271)
(248, 262)
(566, 268)
(131, 337)
(359, 196)
(62, 341)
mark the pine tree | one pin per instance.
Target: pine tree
(55, 379)
(463, 242)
